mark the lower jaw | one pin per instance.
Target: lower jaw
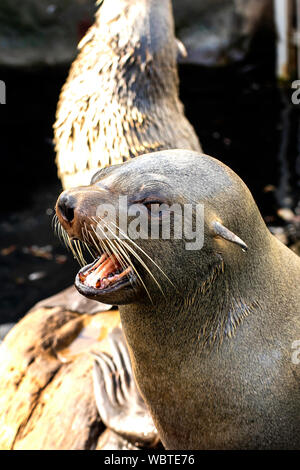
(119, 293)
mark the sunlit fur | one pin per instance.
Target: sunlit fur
(121, 97)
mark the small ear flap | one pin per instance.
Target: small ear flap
(225, 233)
(181, 49)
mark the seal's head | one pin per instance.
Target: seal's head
(164, 224)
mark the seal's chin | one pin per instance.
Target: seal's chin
(106, 281)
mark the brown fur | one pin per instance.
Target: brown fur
(121, 97)
(213, 358)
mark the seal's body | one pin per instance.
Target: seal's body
(121, 97)
(213, 355)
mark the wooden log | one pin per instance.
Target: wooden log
(46, 389)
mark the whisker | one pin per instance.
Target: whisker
(84, 232)
(122, 251)
(65, 239)
(54, 222)
(74, 251)
(79, 252)
(134, 253)
(146, 254)
(112, 247)
(142, 263)
(123, 248)
(86, 246)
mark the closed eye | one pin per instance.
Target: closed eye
(150, 203)
(156, 208)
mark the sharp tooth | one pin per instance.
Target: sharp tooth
(106, 269)
(103, 257)
(105, 282)
(92, 279)
(126, 271)
(100, 261)
(117, 277)
(102, 274)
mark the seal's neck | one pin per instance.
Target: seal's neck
(137, 47)
(201, 323)
(211, 314)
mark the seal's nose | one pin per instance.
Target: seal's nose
(66, 205)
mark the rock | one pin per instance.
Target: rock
(42, 32)
(218, 32)
(46, 32)
(46, 389)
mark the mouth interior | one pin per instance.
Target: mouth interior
(105, 272)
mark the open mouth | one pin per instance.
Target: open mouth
(106, 280)
(105, 272)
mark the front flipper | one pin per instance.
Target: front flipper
(119, 402)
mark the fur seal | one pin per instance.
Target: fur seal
(121, 97)
(212, 355)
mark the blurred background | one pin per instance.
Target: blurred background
(235, 83)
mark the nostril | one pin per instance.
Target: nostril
(67, 212)
(66, 205)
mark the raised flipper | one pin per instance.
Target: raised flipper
(119, 402)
